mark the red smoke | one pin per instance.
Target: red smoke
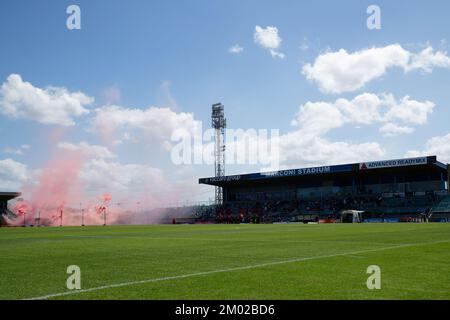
(21, 208)
(107, 197)
(59, 190)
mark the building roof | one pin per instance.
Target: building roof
(9, 195)
(326, 170)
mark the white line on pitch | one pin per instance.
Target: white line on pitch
(261, 265)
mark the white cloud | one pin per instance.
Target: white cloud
(337, 72)
(392, 129)
(101, 174)
(269, 39)
(363, 109)
(157, 123)
(340, 71)
(439, 146)
(408, 111)
(17, 151)
(276, 54)
(87, 150)
(52, 105)
(12, 174)
(427, 59)
(317, 118)
(300, 149)
(310, 145)
(235, 49)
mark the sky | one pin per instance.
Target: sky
(92, 111)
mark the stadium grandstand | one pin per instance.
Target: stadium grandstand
(401, 190)
(5, 212)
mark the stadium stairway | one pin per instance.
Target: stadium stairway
(10, 214)
(6, 213)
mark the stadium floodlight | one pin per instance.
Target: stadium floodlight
(219, 123)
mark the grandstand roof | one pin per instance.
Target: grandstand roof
(430, 161)
(6, 196)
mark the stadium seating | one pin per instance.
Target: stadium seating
(408, 208)
(443, 206)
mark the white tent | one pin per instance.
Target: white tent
(356, 216)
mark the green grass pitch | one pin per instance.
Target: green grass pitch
(227, 261)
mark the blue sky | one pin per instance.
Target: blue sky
(176, 54)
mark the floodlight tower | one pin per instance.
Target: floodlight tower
(219, 124)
